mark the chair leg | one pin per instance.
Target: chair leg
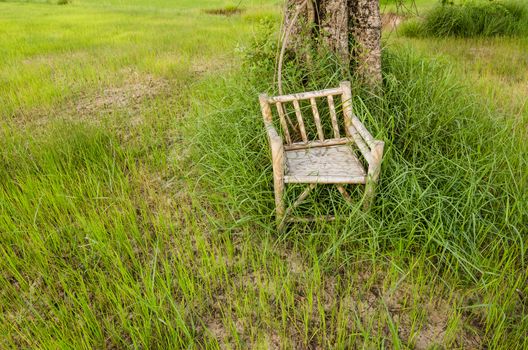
(303, 196)
(344, 192)
(285, 213)
(279, 199)
(299, 200)
(368, 197)
(373, 174)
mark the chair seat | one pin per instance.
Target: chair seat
(330, 165)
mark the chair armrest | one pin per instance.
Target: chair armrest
(362, 130)
(376, 155)
(370, 148)
(277, 148)
(273, 137)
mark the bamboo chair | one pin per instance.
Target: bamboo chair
(320, 160)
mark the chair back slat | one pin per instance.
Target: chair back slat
(333, 117)
(283, 123)
(300, 120)
(305, 95)
(317, 119)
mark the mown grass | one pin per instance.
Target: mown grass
(136, 206)
(52, 54)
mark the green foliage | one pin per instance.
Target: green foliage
(447, 2)
(261, 53)
(474, 18)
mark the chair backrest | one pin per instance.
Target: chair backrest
(318, 129)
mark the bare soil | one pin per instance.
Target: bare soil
(135, 89)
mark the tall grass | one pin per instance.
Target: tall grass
(453, 188)
(473, 18)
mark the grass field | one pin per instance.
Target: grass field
(136, 200)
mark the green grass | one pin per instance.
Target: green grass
(53, 54)
(471, 19)
(449, 198)
(495, 66)
(136, 205)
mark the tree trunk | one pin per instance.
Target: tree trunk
(334, 27)
(365, 26)
(337, 22)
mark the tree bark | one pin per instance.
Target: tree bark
(365, 26)
(334, 27)
(350, 28)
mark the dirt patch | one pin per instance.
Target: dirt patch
(295, 262)
(216, 328)
(481, 52)
(136, 88)
(273, 341)
(433, 330)
(391, 20)
(434, 323)
(225, 11)
(158, 191)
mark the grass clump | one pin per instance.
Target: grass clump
(229, 10)
(471, 19)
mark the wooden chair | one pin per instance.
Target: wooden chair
(301, 156)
